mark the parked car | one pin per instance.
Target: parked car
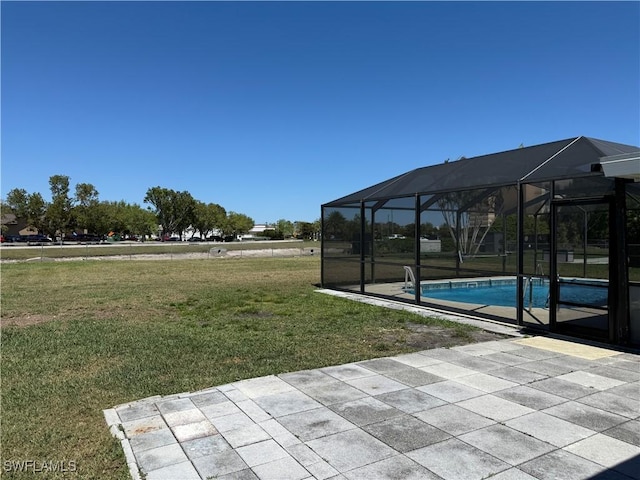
(83, 238)
(37, 239)
(215, 238)
(194, 239)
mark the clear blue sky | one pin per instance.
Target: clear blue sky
(273, 108)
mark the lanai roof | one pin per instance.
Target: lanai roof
(570, 158)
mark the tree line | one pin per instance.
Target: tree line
(169, 213)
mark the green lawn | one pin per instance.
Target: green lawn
(79, 337)
(18, 251)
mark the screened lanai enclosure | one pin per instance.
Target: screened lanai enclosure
(546, 237)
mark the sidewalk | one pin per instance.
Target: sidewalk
(516, 409)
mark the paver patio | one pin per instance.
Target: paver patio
(513, 409)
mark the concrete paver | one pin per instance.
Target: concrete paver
(262, 452)
(495, 408)
(335, 392)
(191, 431)
(456, 460)
(568, 466)
(453, 419)
(160, 457)
(486, 383)
(627, 432)
(506, 444)
(239, 437)
(348, 372)
(222, 463)
(609, 452)
(286, 403)
(153, 439)
(613, 402)
(392, 469)
(365, 411)
(410, 400)
(530, 397)
(351, 449)
(514, 409)
(517, 375)
(281, 469)
(451, 391)
(315, 424)
(176, 405)
(376, 384)
(586, 416)
(562, 388)
(513, 474)
(184, 471)
(550, 429)
(406, 433)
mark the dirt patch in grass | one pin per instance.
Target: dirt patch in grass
(26, 320)
(426, 337)
(415, 336)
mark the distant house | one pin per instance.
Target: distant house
(260, 228)
(16, 226)
(256, 232)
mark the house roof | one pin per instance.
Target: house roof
(570, 158)
(8, 219)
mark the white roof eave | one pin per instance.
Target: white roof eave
(622, 166)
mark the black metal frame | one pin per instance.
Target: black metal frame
(619, 304)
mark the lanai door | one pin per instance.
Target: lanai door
(579, 293)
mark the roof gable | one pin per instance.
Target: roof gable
(569, 158)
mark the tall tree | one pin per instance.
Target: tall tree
(284, 228)
(30, 207)
(207, 217)
(174, 210)
(161, 200)
(36, 212)
(183, 205)
(17, 201)
(238, 223)
(304, 230)
(469, 216)
(335, 226)
(219, 215)
(140, 222)
(85, 211)
(59, 212)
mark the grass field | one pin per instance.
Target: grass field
(19, 251)
(79, 337)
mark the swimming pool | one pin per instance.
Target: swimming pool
(503, 293)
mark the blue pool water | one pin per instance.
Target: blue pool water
(505, 294)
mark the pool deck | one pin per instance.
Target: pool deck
(395, 290)
(513, 409)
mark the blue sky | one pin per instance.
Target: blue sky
(273, 108)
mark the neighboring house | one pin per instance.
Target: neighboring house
(16, 226)
(260, 228)
(256, 231)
